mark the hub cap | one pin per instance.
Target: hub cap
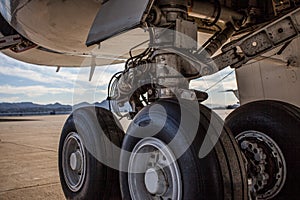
(74, 161)
(155, 181)
(266, 165)
(153, 171)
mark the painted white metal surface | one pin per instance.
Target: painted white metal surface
(277, 77)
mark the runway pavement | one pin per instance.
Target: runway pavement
(28, 157)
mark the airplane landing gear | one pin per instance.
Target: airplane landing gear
(175, 148)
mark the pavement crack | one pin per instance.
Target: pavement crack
(30, 146)
(30, 186)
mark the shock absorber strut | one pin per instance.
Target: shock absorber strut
(172, 30)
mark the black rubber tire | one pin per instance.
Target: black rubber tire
(101, 182)
(219, 175)
(281, 122)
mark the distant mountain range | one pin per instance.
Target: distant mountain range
(29, 108)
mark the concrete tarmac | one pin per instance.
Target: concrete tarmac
(28, 157)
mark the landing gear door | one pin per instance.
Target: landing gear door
(115, 17)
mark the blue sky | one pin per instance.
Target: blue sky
(22, 82)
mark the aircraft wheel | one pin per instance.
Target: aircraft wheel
(268, 135)
(81, 148)
(157, 170)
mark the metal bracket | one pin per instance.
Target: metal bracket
(187, 94)
(8, 41)
(277, 33)
(93, 67)
(186, 34)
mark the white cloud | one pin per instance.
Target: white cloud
(62, 86)
(9, 99)
(101, 77)
(46, 74)
(43, 74)
(32, 91)
(31, 74)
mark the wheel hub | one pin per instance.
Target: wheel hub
(266, 165)
(76, 161)
(153, 172)
(155, 181)
(257, 165)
